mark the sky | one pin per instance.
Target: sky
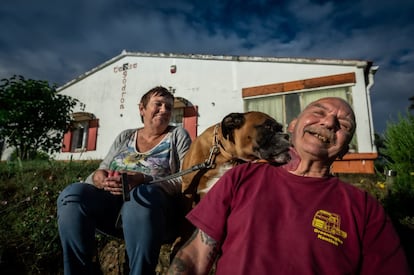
(58, 41)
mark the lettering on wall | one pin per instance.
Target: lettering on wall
(123, 70)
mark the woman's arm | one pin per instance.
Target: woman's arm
(182, 142)
(102, 171)
(196, 256)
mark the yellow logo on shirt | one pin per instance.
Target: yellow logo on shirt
(328, 227)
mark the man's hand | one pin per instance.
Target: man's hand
(196, 256)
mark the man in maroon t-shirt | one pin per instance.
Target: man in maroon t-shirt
(294, 219)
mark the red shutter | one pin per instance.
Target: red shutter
(190, 120)
(67, 138)
(92, 134)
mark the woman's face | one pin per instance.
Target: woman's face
(157, 113)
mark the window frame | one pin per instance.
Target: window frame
(90, 124)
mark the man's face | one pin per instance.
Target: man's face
(323, 130)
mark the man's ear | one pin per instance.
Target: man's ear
(292, 125)
(343, 152)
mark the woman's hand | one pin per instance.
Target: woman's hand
(99, 178)
(111, 180)
(108, 180)
(113, 183)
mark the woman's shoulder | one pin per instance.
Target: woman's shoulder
(179, 132)
(175, 129)
(126, 134)
(128, 131)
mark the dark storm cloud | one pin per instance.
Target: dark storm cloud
(60, 40)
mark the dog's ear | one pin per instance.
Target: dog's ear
(231, 122)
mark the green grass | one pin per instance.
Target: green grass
(29, 241)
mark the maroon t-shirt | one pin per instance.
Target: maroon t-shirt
(270, 221)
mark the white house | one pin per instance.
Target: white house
(209, 87)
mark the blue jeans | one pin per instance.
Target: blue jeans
(147, 223)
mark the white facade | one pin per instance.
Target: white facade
(214, 84)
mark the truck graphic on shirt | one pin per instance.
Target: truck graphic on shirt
(329, 223)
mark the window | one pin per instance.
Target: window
(293, 101)
(187, 118)
(185, 115)
(79, 136)
(177, 117)
(284, 108)
(82, 134)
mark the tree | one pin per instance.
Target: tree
(33, 115)
(412, 103)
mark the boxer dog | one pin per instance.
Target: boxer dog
(238, 138)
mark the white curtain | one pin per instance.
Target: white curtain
(311, 96)
(272, 105)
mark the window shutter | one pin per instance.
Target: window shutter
(92, 134)
(66, 142)
(190, 120)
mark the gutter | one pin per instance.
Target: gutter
(369, 73)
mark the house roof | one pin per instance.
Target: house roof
(344, 62)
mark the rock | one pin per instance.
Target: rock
(113, 260)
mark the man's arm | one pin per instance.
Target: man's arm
(196, 256)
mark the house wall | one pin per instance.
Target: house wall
(213, 84)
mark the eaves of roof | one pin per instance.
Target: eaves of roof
(343, 62)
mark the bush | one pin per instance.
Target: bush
(399, 151)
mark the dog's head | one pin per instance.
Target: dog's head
(255, 135)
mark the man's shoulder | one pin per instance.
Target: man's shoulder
(258, 167)
(355, 192)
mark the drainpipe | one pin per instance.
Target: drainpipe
(371, 72)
